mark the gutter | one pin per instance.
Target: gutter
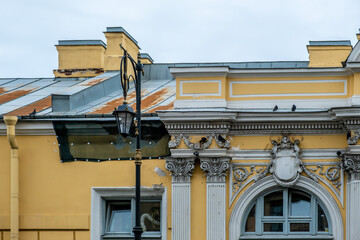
(10, 122)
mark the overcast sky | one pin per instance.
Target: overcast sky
(173, 31)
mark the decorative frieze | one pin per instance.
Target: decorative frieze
(181, 168)
(354, 138)
(286, 128)
(202, 144)
(286, 165)
(215, 168)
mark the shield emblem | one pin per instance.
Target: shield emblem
(286, 165)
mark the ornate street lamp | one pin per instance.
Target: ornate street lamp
(125, 118)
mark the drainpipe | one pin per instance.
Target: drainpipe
(10, 122)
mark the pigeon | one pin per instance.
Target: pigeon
(221, 139)
(293, 108)
(275, 108)
(33, 113)
(203, 140)
(348, 135)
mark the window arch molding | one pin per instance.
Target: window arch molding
(242, 205)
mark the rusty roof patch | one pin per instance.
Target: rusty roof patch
(40, 105)
(169, 106)
(6, 97)
(2, 90)
(153, 99)
(108, 107)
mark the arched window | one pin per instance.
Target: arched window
(287, 213)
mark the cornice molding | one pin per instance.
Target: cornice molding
(30, 129)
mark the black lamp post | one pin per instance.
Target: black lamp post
(125, 118)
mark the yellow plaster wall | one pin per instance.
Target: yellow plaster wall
(199, 87)
(306, 141)
(287, 88)
(113, 51)
(81, 57)
(57, 196)
(198, 204)
(328, 56)
(145, 61)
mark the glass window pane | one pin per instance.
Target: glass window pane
(273, 204)
(273, 227)
(120, 217)
(250, 221)
(150, 216)
(300, 204)
(322, 221)
(299, 227)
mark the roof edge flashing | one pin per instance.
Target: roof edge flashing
(81, 43)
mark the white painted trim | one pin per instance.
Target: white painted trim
(98, 194)
(286, 104)
(267, 183)
(288, 94)
(355, 53)
(199, 103)
(353, 209)
(314, 153)
(182, 94)
(289, 72)
(215, 211)
(180, 211)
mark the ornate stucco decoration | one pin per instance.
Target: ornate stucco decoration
(241, 174)
(354, 138)
(332, 173)
(181, 168)
(351, 164)
(204, 142)
(286, 165)
(215, 168)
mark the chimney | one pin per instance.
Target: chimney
(328, 53)
(80, 58)
(116, 36)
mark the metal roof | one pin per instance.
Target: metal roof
(330, 43)
(101, 94)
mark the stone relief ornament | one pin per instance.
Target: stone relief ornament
(351, 163)
(354, 138)
(241, 174)
(331, 173)
(204, 142)
(215, 168)
(181, 169)
(175, 142)
(286, 165)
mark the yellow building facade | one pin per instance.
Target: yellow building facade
(248, 150)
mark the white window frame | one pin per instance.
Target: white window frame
(267, 183)
(286, 219)
(99, 196)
